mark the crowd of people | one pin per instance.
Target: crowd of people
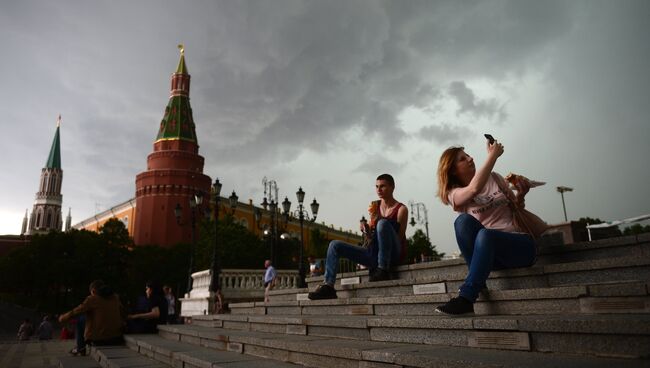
(487, 233)
(101, 319)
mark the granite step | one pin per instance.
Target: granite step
(328, 352)
(616, 297)
(537, 276)
(627, 246)
(212, 354)
(618, 335)
(598, 249)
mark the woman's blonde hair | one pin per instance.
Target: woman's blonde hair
(446, 179)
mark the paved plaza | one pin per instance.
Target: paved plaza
(33, 353)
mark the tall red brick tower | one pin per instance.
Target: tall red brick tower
(174, 171)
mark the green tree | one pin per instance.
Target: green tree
(636, 229)
(419, 244)
(318, 243)
(237, 246)
(115, 233)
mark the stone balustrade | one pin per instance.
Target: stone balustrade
(236, 285)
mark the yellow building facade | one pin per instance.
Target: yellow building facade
(244, 214)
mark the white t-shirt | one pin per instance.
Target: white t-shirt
(270, 274)
(490, 207)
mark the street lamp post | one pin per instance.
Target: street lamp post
(215, 267)
(561, 190)
(303, 215)
(195, 201)
(420, 215)
(270, 187)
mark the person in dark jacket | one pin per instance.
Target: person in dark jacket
(157, 309)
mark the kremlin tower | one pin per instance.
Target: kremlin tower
(46, 214)
(174, 171)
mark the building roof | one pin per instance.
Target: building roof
(54, 158)
(178, 122)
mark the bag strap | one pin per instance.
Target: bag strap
(501, 183)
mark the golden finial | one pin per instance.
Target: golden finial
(58, 121)
(182, 48)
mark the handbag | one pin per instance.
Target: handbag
(523, 220)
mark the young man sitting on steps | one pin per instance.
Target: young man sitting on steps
(387, 228)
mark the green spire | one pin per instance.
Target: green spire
(182, 68)
(54, 159)
(177, 123)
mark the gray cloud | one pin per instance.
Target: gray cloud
(443, 133)
(281, 84)
(469, 103)
(377, 165)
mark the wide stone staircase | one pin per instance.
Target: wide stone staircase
(581, 305)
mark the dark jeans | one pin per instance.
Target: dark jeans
(79, 330)
(384, 251)
(485, 250)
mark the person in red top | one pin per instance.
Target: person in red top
(387, 231)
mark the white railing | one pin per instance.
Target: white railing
(240, 279)
(236, 285)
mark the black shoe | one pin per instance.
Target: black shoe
(456, 307)
(379, 274)
(324, 291)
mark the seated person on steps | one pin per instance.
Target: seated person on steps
(104, 318)
(485, 231)
(386, 232)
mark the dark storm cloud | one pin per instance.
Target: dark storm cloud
(469, 103)
(304, 76)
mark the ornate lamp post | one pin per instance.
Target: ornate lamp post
(419, 215)
(270, 186)
(195, 201)
(215, 267)
(302, 215)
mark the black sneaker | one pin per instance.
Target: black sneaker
(456, 307)
(379, 274)
(324, 291)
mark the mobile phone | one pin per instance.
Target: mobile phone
(489, 137)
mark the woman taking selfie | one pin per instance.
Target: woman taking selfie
(485, 229)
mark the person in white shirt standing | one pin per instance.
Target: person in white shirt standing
(269, 279)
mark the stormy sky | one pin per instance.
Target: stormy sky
(329, 94)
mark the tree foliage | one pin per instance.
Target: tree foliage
(636, 229)
(419, 245)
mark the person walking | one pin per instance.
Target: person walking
(269, 279)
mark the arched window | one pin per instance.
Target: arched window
(44, 182)
(48, 223)
(38, 220)
(244, 223)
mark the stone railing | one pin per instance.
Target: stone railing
(236, 285)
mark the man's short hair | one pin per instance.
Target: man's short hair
(97, 284)
(388, 178)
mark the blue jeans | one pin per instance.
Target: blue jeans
(80, 328)
(485, 250)
(384, 251)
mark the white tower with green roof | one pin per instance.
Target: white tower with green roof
(46, 214)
